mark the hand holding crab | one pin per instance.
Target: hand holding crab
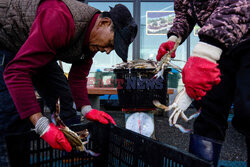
(59, 136)
(74, 138)
(165, 53)
(181, 103)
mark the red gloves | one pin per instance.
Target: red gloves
(52, 135)
(100, 116)
(56, 139)
(166, 47)
(200, 73)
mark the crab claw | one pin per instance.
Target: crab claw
(174, 116)
(92, 153)
(53, 119)
(181, 103)
(161, 106)
(159, 75)
(194, 115)
(182, 129)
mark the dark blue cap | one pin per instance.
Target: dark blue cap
(125, 29)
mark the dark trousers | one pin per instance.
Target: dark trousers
(233, 88)
(50, 82)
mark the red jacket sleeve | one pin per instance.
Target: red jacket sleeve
(78, 82)
(52, 29)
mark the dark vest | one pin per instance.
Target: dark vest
(17, 16)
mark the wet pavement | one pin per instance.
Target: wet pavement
(233, 149)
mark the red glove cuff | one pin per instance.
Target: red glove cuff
(165, 48)
(199, 76)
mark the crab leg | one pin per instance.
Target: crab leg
(184, 117)
(73, 138)
(69, 134)
(161, 106)
(179, 69)
(167, 57)
(92, 153)
(195, 115)
(159, 73)
(182, 129)
(174, 117)
(181, 103)
(55, 116)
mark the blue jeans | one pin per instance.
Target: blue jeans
(3, 153)
(8, 113)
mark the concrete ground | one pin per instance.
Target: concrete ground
(233, 150)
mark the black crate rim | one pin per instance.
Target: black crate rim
(145, 149)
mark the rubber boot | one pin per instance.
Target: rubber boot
(248, 151)
(205, 148)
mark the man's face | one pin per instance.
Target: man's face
(102, 39)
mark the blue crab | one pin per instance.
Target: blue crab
(166, 61)
(74, 138)
(181, 102)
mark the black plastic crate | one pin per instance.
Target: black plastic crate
(137, 88)
(118, 147)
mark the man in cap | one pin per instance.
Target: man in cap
(33, 36)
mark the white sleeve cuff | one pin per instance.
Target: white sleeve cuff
(86, 109)
(207, 51)
(42, 126)
(173, 38)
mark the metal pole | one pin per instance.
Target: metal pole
(136, 43)
(188, 47)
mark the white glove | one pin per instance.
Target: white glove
(86, 109)
(181, 102)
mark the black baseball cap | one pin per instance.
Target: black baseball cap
(125, 29)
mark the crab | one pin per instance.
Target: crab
(137, 64)
(74, 138)
(181, 102)
(165, 61)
